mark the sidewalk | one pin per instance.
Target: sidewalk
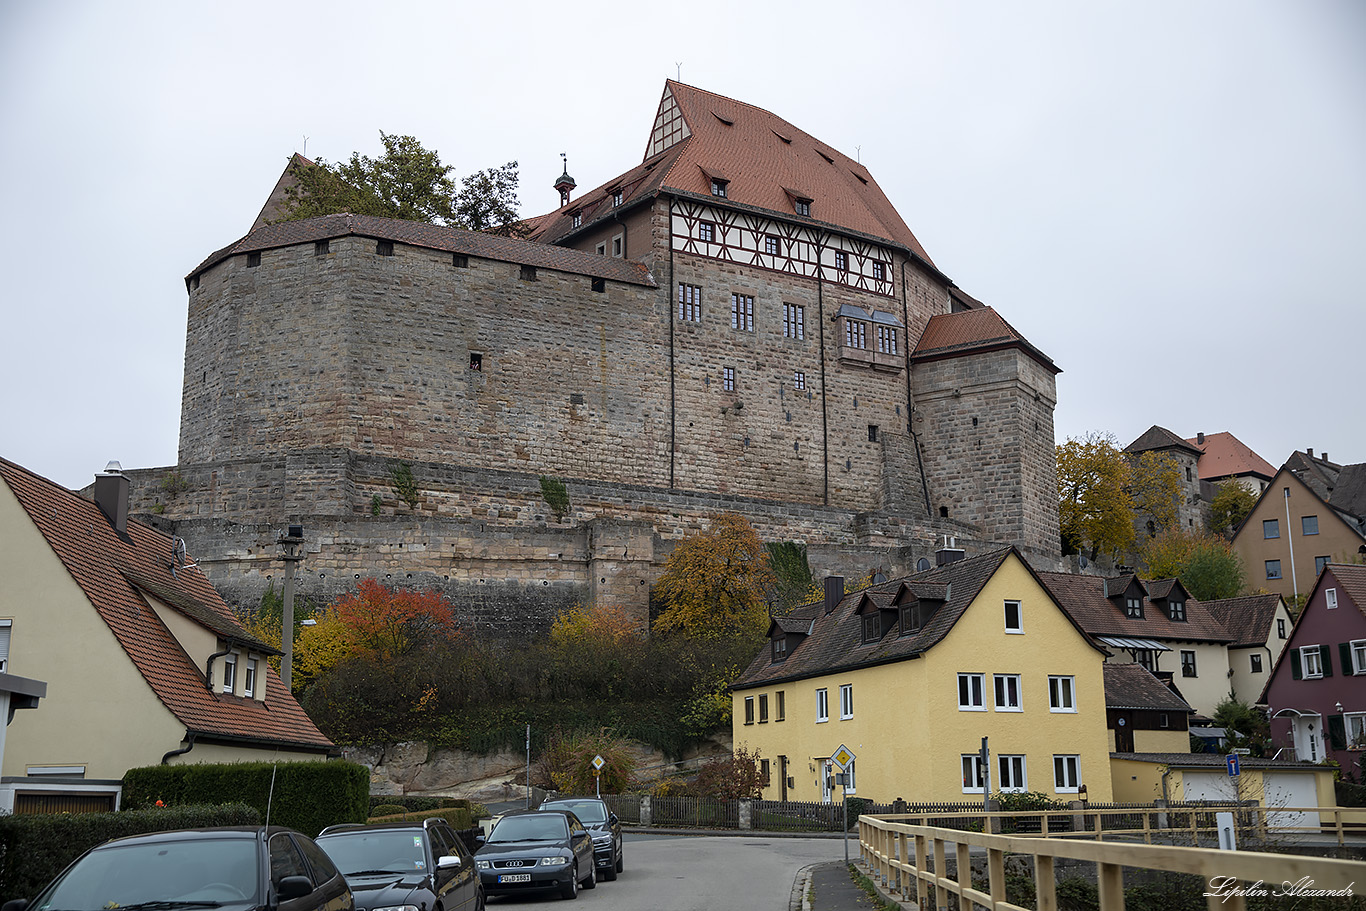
(828, 887)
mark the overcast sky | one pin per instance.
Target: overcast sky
(1169, 198)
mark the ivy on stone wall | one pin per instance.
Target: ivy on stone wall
(401, 476)
(556, 497)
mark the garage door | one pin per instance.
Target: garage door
(1208, 786)
(1291, 789)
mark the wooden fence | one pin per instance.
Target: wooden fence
(912, 861)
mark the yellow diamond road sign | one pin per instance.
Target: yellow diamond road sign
(842, 757)
(598, 762)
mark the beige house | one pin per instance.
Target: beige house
(143, 661)
(1292, 533)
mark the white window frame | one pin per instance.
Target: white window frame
(689, 303)
(1011, 773)
(1002, 689)
(1188, 653)
(971, 768)
(972, 686)
(886, 340)
(6, 632)
(1063, 764)
(749, 710)
(798, 380)
(1018, 628)
(229, 673)
(822, 706)
(1306, 652)
(1330, 598)
(1354, 721)
(742, 312)
(1358, 647)
(846, 701)
(728, 379)
(249, 681)
(794, 321)
(1062, 693)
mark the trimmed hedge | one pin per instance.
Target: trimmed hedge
(308, 796)
(34, 849)
(460, 818)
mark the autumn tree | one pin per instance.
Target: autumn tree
(566, 763)
(1155, 487)
(319, 648)
(1231, 505)
(407, 182)
(387, 623)
(1095, 508)
(738, 776)
(717, 583)
(1206, 564)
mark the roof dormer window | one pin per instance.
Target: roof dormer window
(1176, 610)
(718, 187)
(577, 219)
(872, 627)
(779, 648)
(616, 197)
(1133, 607)
(802, 206)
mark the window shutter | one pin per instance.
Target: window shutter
(1326, 653)
(1345, 653)
(1295, 672)
(1337, 732)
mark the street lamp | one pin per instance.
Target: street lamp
(293, 545)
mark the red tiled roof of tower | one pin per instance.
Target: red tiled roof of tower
(1132, 686)
(111, 569)
(1224, 456)
(433, 237)
(953, 334)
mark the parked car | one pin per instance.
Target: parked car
(603, 825)
(420, 864)
(236, 867)
(531, 850)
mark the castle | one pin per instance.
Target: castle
(742, 322)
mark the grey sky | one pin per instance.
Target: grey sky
(1168, 198)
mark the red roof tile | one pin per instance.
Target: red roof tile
(1083, 598)
(971, 332)
(1132, 686)
(1223, 455)
(111, 570)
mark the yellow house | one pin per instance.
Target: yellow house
(143, 661)
(909, 676)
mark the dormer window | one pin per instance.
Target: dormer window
(779, 648)
(616, 197)
(872, 628)
(718, 187)
(1133, 607)
(577, 218)
(910, 619)
(1176, 610)
(803, 207)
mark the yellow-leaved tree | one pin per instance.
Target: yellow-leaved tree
(1095, 508)
(717, 583)
(1155, 488)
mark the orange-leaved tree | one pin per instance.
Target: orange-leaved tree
(387, 623)
(717, 583)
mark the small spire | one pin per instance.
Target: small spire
(565, 183)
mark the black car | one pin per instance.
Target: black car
(272, 869)
(602, 824)
(531, 850)
(405, 865)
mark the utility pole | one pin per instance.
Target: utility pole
(293, 544)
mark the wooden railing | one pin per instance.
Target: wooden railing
(911, 861)
(1189, 824)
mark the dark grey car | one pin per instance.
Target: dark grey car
(533, 850)
(421, 864)
(603, 825)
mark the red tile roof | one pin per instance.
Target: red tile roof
(111, 570)
(1248, 619)
(1223, 455)
(1352, 579)
(971, 332)
(432, 237)
(1083, 598)
(1132, 686)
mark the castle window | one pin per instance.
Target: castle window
(476, 361)
(879, 271)
(728, 379)
(799, 380)
(616, 198)
(706, 232)
(689, 303)
(577, 219)
(772, 245)
(794, 321)
(718, 187)
(886, 340)
(742, 312)
(872, 433)
(253, 260)
(599, 285)
(802, 207)
(855, 334)
(841, 261)
(384, 247)
(618, 245)
(529, 273)
(322, 248)
(460, 261)
(602, 249)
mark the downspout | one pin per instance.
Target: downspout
(673, 365)
(208, 668)
(189, 745)
(825, 421)
(910, 416)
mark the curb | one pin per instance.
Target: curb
(801, 890)
(729, 833)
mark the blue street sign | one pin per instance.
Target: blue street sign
(1234, 767)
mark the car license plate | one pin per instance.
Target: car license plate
(515, 878)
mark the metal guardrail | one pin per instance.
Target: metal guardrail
(912, 861)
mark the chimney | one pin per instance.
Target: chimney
(111, 496)
(949, 553)
(834, 592)
(1309, 452)
(1200, 438)
(1324, 455)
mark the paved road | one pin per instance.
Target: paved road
(700, 873)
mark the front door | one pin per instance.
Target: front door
(1308, 738)
(827, 780)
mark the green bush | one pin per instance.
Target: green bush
(384, 810)
(34, 849)
(307, 796)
